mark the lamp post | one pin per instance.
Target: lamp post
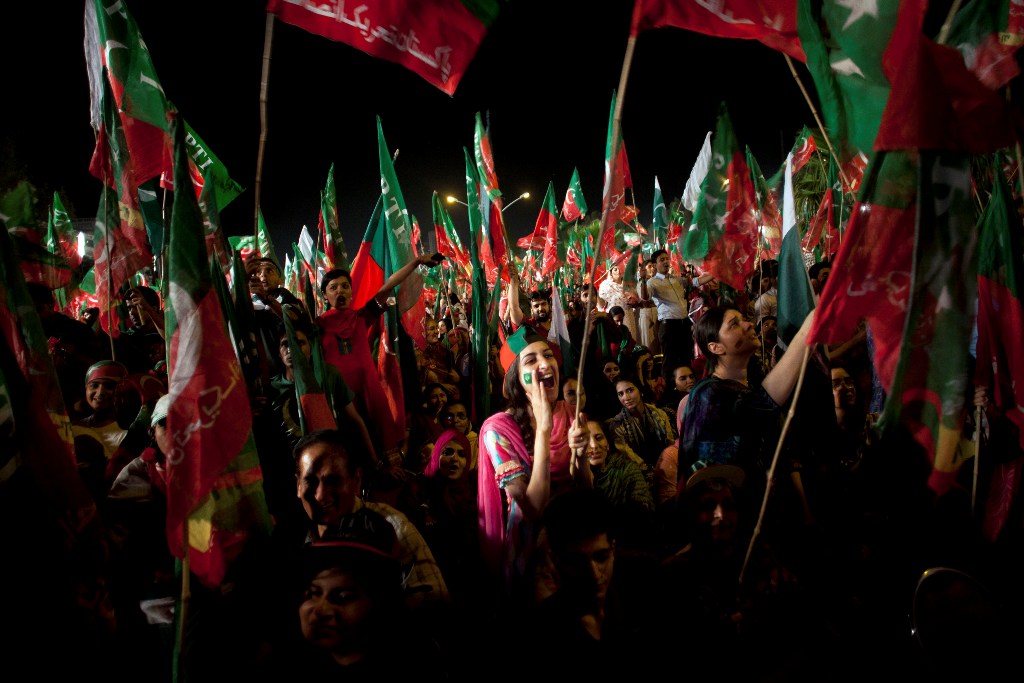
(525, 195)
(454, 200)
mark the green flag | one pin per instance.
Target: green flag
(844, 43)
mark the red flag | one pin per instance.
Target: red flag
(773, 22)
(549, 219)
(214, 482)
(871, 275)
(436, 40)
(935, 102)
(822, 218)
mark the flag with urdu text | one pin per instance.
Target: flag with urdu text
(773, 22)
(844, 42)
(870, 278)
(929, 385)
(796, 299)
(436, 40)
(215, 498)
(723, 237)
(575, 206)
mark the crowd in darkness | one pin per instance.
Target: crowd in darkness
(638, 516)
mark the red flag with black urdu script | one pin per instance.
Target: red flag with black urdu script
(215, 500)
(436, 40)
(772, 22)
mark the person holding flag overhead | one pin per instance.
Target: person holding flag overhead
(347, 348)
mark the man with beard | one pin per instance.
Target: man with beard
(540, 312)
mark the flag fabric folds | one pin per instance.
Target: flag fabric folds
(215, 496)
(435, 40)
(1000, 353)
(796, 299)
(575, 206)
(773, 22)
(723, 236)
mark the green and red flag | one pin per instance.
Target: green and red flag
(61, 237)
(1000, 364)
(38, 263)
(769, 218)
(929, 385)
(334, 245)
(1000, 310)
(479, 297)
(870, 278)
(549, 219)
(314, 409)
(575, 206)
(772, 22)
(437, 40)
(723, 237)
(491, 202)
(616, 181)
(844, 43)
(120, 250)
(822, 219)
(265, 243)
(447, 238)
(215, 500)
(988, 34)
(205, 168)
(34, 425)
(124, 85)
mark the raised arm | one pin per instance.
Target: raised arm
(780, 381)
(515, 311)
(399, 276)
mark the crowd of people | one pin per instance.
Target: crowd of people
(615, 520)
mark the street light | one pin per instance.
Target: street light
(453, 200)
(525, 195)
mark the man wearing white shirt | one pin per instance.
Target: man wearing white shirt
(671, 294)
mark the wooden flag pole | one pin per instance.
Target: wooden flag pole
(775, 459)
(264, 80)
(817, 119)
(605, 213)
(977, 458)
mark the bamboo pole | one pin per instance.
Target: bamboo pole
(977, 458)
(775, 459)
(605, 213)
(264, 81)
(817, 119)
